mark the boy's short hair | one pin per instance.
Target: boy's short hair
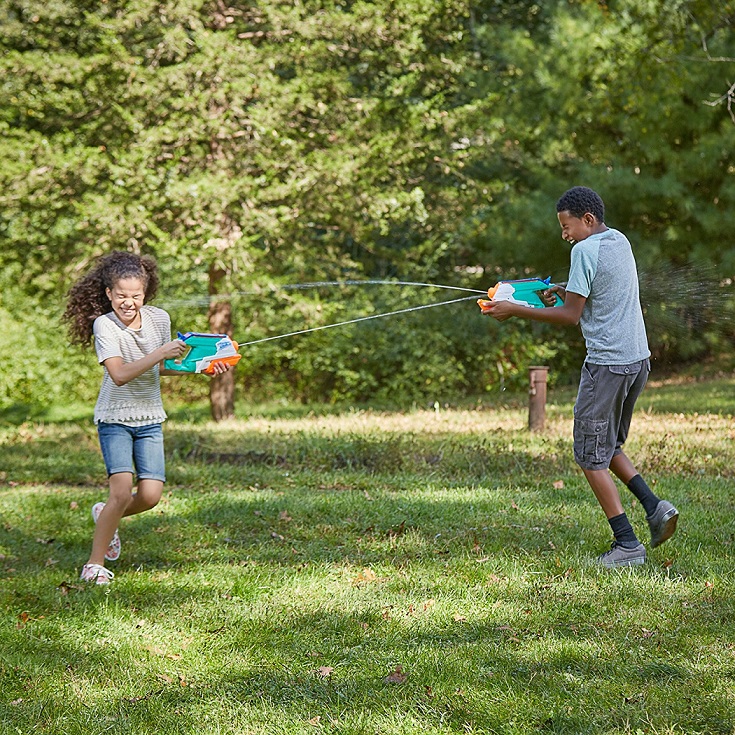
(579, 200)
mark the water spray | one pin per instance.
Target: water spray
(206, 349)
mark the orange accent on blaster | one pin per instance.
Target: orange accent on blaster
(231, 360)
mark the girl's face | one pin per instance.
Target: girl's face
(127, 297)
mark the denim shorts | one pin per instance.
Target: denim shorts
(604, 409)
(134, 449)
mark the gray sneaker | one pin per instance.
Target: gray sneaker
(662, 522)
(619, 556)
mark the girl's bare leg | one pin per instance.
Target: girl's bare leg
(121, 502)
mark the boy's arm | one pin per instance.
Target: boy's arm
(569, 313)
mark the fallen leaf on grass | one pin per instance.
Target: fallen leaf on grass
(396, 676)
(284, 516)
(558, 485)
(459, 618)
(398, 530)
(325, 671)
(143, 697)
(513, 505)
(365, 575)
(16, 702)
(315, 721)
(276, 536)
(64, 588)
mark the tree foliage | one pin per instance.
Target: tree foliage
(278, 143)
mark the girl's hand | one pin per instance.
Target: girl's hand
(172, 350)
(220, 367)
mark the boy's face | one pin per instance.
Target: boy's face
(575, 229)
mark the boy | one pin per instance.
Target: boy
(602, 297)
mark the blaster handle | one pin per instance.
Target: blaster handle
(229, 360)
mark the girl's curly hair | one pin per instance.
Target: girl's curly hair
(87, 298)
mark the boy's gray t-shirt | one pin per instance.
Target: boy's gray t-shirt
(603, 270)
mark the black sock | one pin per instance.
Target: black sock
(623, 531)
(648, 500)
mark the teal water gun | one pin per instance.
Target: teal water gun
(525, 291)
(204, 351)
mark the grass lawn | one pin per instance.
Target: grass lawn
(372, 572)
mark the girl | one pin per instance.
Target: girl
(131, 339)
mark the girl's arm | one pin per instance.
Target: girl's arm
(217, 368)
(123, 372)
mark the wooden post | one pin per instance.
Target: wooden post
(537, 397)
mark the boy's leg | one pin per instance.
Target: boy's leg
(597, 411)
(624, 470)
(661, 515)
(606, 492)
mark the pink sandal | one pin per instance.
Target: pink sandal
(113, 550)
(96, 573)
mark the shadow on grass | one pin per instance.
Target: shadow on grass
(472, 676)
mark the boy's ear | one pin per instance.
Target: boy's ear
(589, 219)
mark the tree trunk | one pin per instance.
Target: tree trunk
(221, 387)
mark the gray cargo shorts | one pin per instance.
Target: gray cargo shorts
(603, 410)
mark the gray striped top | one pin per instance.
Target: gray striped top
(138, 402)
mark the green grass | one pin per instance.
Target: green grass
(371, 572)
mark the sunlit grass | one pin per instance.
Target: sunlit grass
(371, 572)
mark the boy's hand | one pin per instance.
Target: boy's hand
(499, 310)
(549, 298)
